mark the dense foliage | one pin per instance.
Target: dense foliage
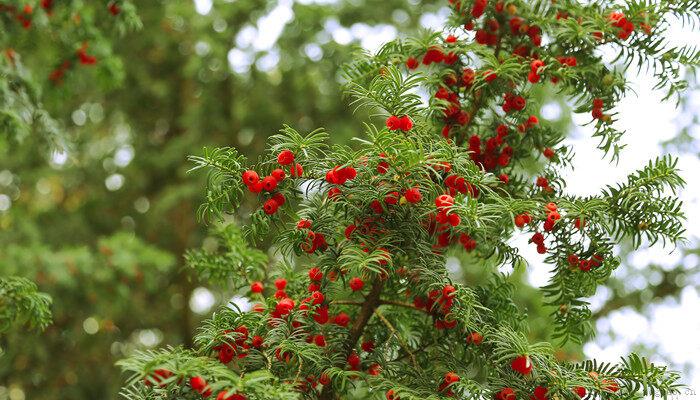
(460, 162)
(67, 139)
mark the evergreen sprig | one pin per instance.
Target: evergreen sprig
(22, 303)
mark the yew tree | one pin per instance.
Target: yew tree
(355, 300)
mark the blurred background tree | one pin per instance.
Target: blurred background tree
(96, 206)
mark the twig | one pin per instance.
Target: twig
(402, 304)
(402, 342)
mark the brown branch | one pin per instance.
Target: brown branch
(372, 300)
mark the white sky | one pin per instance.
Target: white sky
(672, 327)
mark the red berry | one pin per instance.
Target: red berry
(317, 297)
(383, 167)
(269, 183)
(256, 287)
(349, 230)
(390, 395)
(321, 315)
(280, 283)
(411, 63)
(114, 9)
(354, 361)
(580, 391)
(257, 341)
(285, 306)
(250, 177)
(506, 394)
(255, 188)
(356, 284)
(454, 219)
(376, 206)
(475, 338)
(285, 157)
(368, 346)
(313, 287)
(405, 123)
(270, 206)
(540, 393)
(278, 174)
(158, 377)
(304, 224)
(392, 198)
(584, 265)
(489, 75)
(413, 195)
(573, 260)
(393, 123)
(349, 173)
(451, 377)
(334, 192)
(279, 199)
(532, 77)
(444, 201)
(198, 383)
(341, 319)
(478, 8)
(296, 170)
(315, 274)
(320, 341)
(522, 365)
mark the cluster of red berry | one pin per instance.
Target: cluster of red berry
(403, 123)
(583, 264)
(618, 20)
(538, 238)
(239, 347)
(597, 111)
(438, 303)
(269, 183)
(448, 380)
(313, 240)
(496, 152)
(339, 176)
(23, 15)
(197, 383)
(453, 114)
(56, 76)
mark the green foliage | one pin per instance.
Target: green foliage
(154, 95)
(183, 364)
(104, 299)
(65, 27)
(646, 206)
(223, 182)
(21, 302)
(349, 215)
(233, 264)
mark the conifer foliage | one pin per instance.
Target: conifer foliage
(357, 301)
